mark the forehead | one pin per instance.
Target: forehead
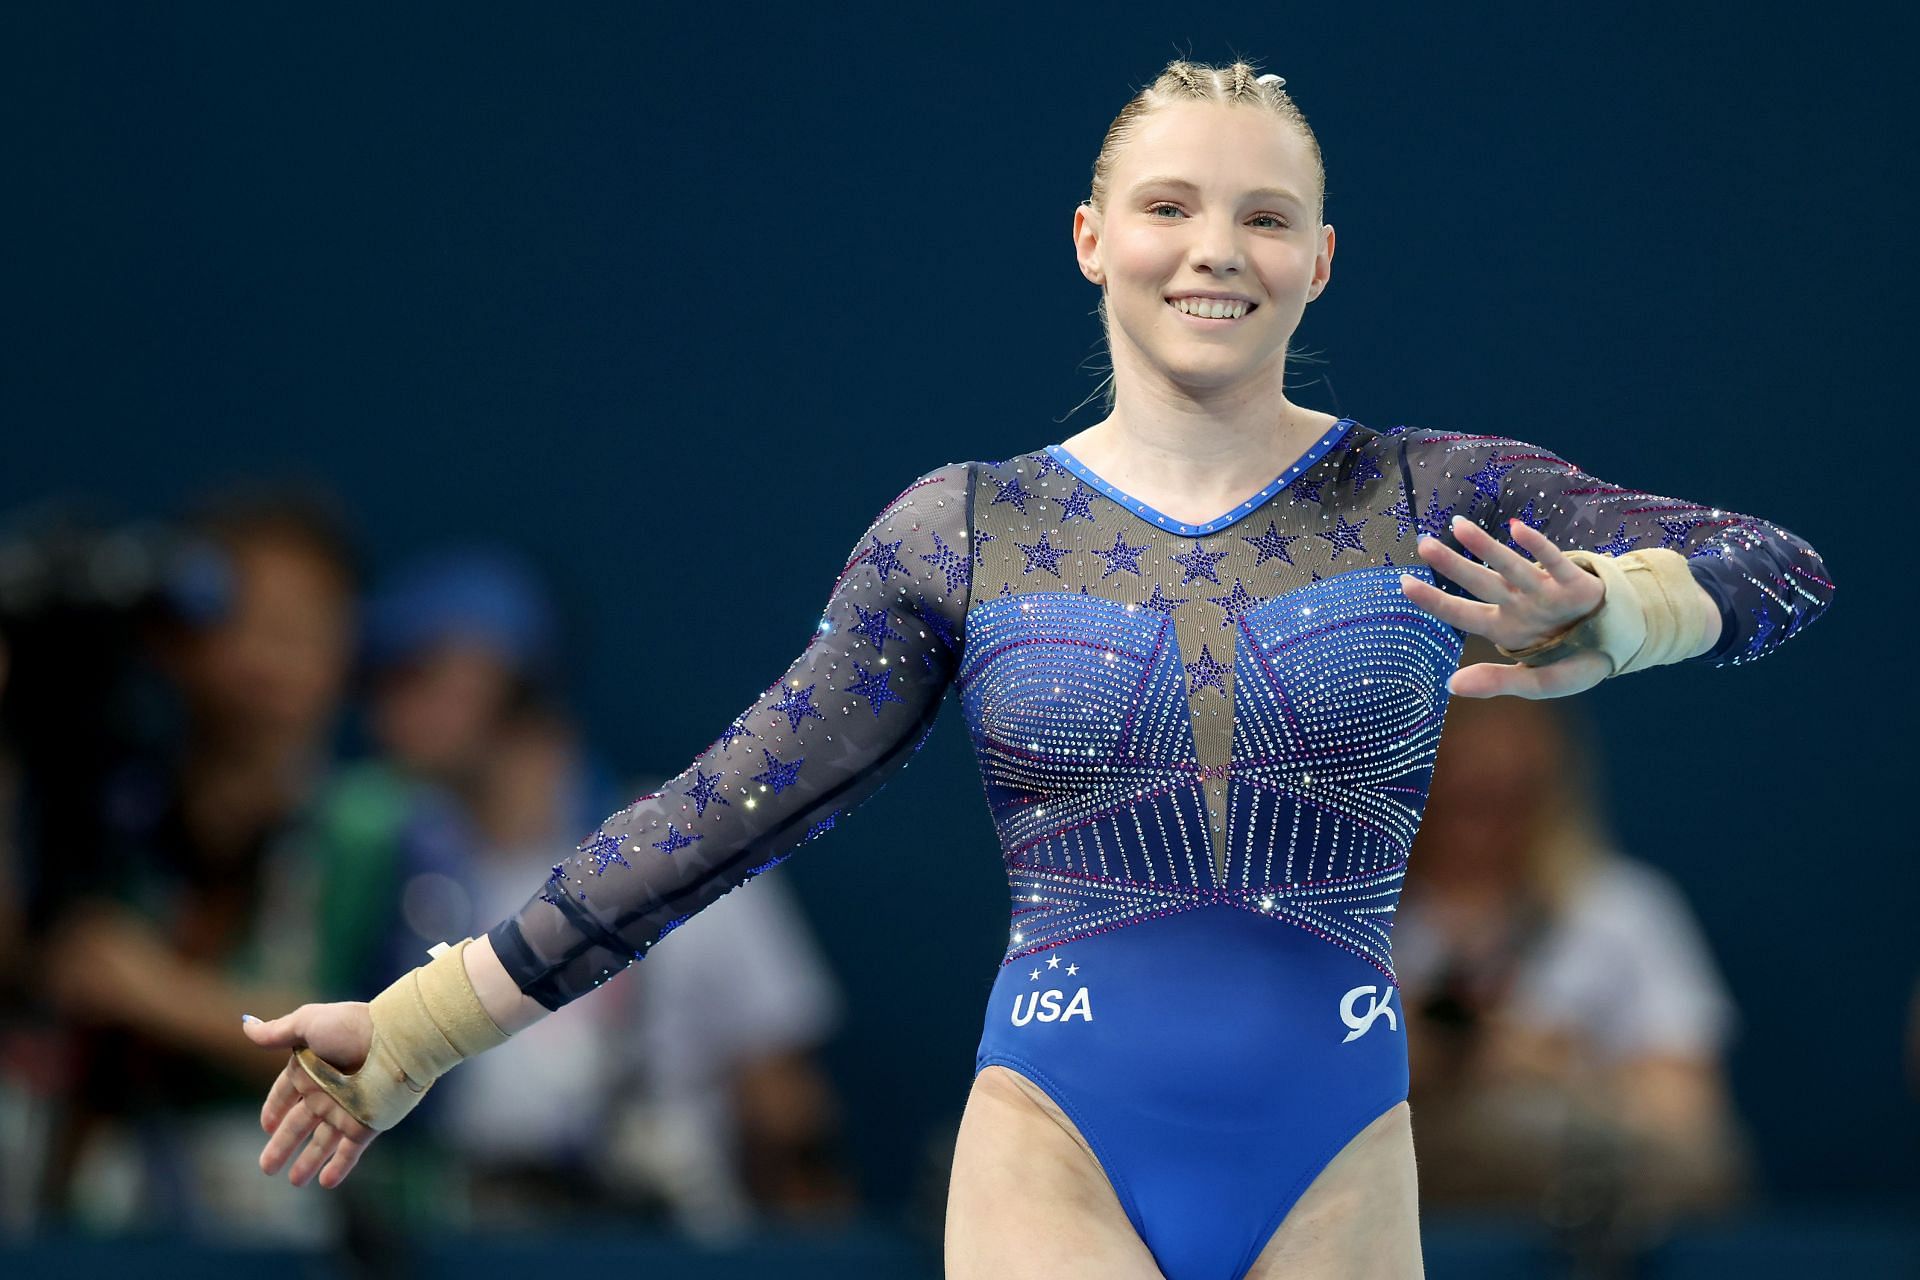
(1216, 146)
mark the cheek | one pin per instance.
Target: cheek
(1141, 263)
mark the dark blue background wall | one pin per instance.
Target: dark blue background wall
(678, 299)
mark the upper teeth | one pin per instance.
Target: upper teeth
(1216, 308)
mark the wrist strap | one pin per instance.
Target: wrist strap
(424, 1025)
(1645, 618)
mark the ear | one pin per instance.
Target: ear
(1086, 242)
(1323, 262)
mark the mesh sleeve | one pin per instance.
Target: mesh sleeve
(1768, 583)
(847, 714)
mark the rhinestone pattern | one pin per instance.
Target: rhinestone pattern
(1166, 715)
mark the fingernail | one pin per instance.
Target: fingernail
(246, 1018)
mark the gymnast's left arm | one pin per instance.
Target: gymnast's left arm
(1580, 579)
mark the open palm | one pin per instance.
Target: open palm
(1521, 602)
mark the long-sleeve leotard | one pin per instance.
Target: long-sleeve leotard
(1102, 697)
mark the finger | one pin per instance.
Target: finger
(284, 1093)
(318, 1152)
(346, 1154)
(1555, 680)
(1475, 577)
(286, 1139)
(1510, 564)
(324, 1105)
(1547, 555)
(1468, 615)
(285, 1032)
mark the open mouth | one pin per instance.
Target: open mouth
(1213, 312)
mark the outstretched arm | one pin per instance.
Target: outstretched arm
(843, 719)
(1516, 506)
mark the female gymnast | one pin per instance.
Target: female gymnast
(1203, 649)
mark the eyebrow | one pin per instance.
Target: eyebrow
(1275, 193)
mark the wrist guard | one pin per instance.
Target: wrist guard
(1646, 617)
(423, 1025)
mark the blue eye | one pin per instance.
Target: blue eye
(1278, 224)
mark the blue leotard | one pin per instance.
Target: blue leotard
(1206, 749)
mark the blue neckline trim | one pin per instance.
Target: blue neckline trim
(1301, 465)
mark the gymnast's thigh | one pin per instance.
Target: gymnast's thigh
(1028, 1199)
(1359, 1217)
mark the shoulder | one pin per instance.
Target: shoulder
(1430, 444)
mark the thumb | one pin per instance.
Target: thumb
(277, 1033)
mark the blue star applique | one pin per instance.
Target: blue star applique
(705, 791)
(1208, 672)
(1437, 519)
(1763, 625)
(1272, 543)
(948, 561)
(1014, 492)
(732, 731)
(1048, 465)
(1163, 604)
(797, 706)
(1486, 484)
(873, 625)
(1305, 490)
(934, 621)
(1078, 503)
(1402, 517)
(1042, 554)
(604, 850)
(778, 775)
(1621, 543)
(1122, 556)
(1674, 532)
(1526, 517)
(885, 558)
(675, 840)
(872, 685)
(556, 887)
(1236, 602)
(1364, 469)
(821, 827)
(1198, 563)
(1343, 535)
(980, 541)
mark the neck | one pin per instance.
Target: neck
(1197, 454)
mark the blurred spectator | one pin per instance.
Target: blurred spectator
(1567, 1025)
(198, 905)
(687, 1087)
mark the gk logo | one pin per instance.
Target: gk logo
(1376, 1008)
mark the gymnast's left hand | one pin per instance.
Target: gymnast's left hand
(1521, 602)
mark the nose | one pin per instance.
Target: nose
(1217, 248)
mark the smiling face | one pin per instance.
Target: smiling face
(1209, 246)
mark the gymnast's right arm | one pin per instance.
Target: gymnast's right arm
(843, 719)
(846, 715)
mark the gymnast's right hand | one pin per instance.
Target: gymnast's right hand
(341, 1035)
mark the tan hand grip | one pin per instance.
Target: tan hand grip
(424, 1025)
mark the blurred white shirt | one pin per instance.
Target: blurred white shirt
(1626, 967)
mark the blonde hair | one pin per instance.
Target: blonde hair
(1238, 84)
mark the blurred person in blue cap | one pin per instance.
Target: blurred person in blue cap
(703, 1112)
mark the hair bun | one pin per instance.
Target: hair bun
(1271, 79)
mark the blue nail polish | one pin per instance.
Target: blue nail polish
(247, 1017)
